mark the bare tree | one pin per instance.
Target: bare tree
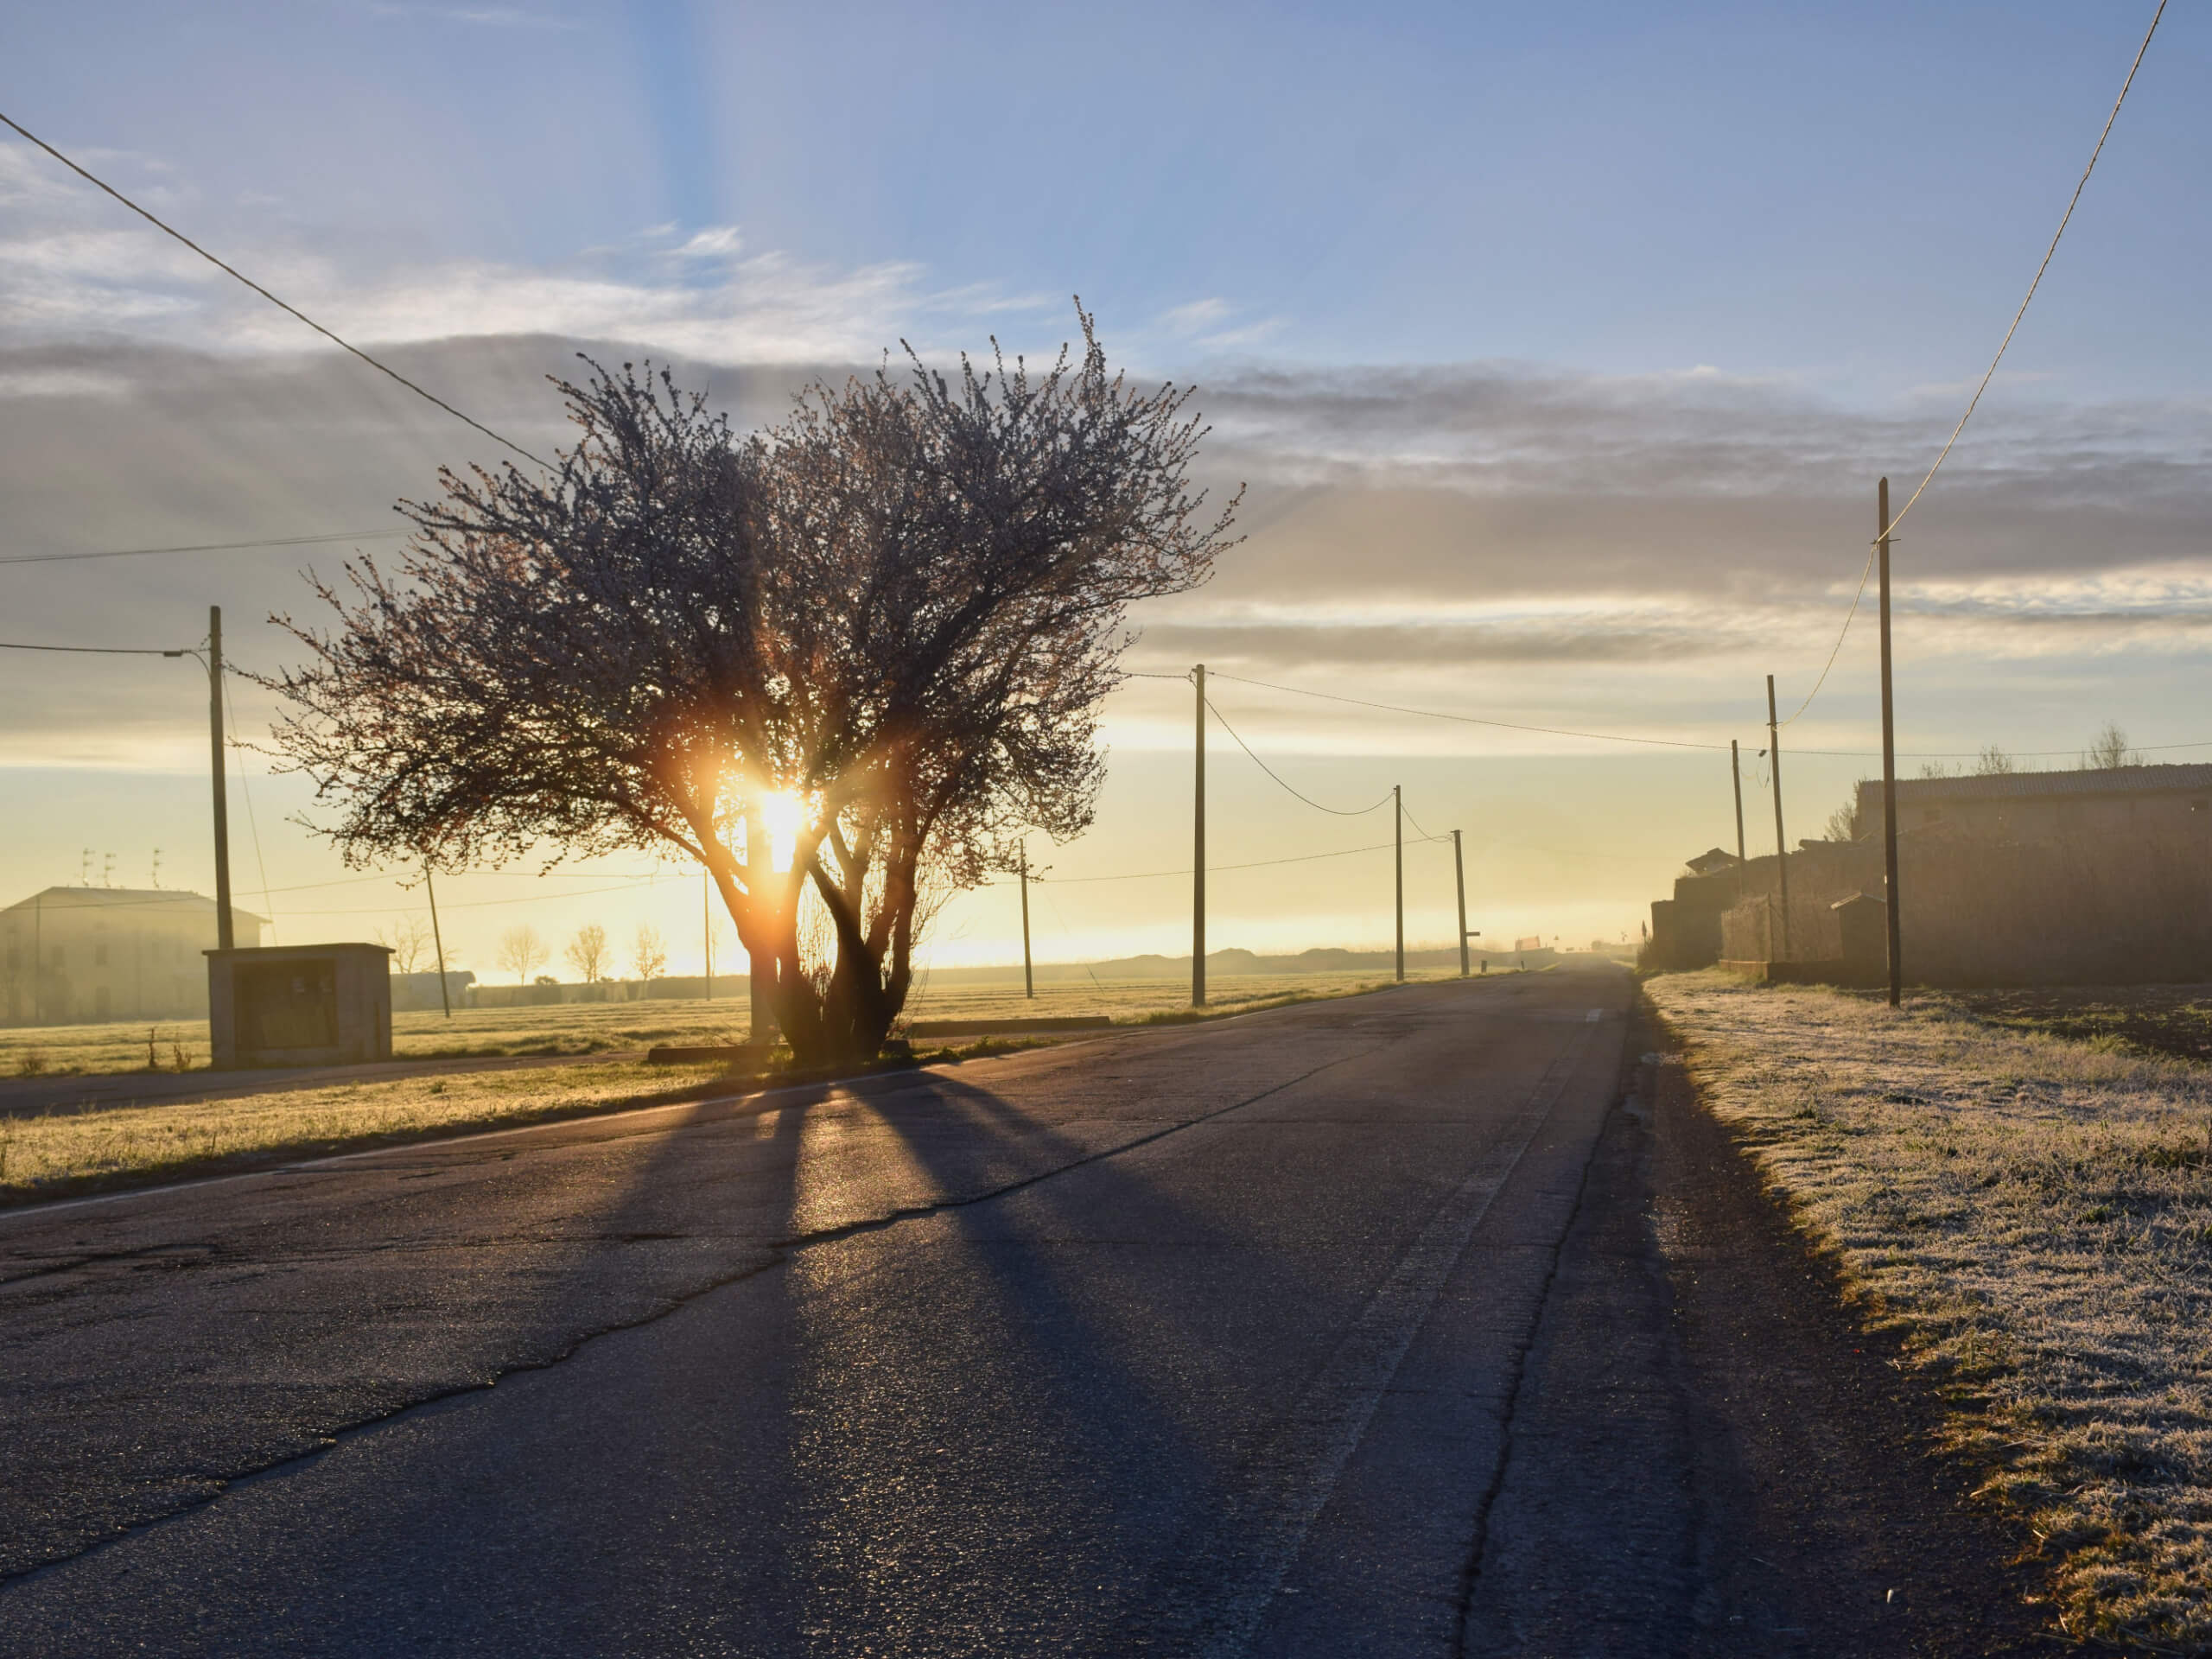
(2110, 750)
(1993, 762)
(521, 951)
(894, 616)
(587, 953)
(648, 956)
(411, 944)
(1843, 823)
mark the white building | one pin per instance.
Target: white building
(70, 955)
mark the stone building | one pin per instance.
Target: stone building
(71, 956)
(2100, 804)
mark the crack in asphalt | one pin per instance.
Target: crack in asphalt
(781, 1251)
(1471, 1577)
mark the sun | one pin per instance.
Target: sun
(783, 814)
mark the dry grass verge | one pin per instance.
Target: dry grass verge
(2034, 1216)
(607, 1028)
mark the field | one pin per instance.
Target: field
(58, 1153)
(614, 1027)
(2033, 1214)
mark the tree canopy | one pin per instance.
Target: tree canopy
(883, 626)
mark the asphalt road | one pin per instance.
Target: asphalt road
(1200, 1340)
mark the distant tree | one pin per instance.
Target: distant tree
(521, 952)
(1843, 823)
(587, 953)
(411, 944)
(2110, 750)
(889, 622)
(648, 956)
(1993, 762)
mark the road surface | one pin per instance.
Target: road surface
(1208, 1340)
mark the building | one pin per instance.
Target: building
(2089, 877)
(2107, 805)
(70, 955)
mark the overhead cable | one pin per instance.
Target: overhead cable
(1333, 812)
(98, 651)
(170, 230)
(200, 547)
(1469, 720)
(1990, 373)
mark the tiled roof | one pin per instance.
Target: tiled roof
(168, 898)
(2013, 785)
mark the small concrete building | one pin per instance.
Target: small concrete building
(299, 1005)
(71, 956)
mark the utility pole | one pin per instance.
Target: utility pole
(1780, 847)
(707, 927)
(445, 997)
(1889, 762)
(1460, 880)
(1028, 974)
(1398, 819)
(1198, 856)
(1736, 776)
(226, 935)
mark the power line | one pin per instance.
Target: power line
(1333, 812)
(1990, 373)
(1468, 720)
(97, 650)
(1622, 737)
(281, 305)
(1147, 875)
(200, 547)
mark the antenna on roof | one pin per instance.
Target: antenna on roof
(157, 866)
(107, 870)
(84, 867)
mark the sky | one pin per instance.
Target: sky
(1558, 352)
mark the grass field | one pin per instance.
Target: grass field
(59, 1153)
(2033, 1214)
(606, 1027)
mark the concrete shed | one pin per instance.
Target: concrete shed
(299, 1005)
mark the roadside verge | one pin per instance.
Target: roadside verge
(2029, 1219)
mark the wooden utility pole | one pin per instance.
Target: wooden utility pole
(1198, 854)
(1028, 976)
(1398, 821)
(1736, 776)
(1889, 759)
(1460, 880)
(226, 933)
(1780, 847)
(445, 997)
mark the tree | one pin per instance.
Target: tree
(521, 951)
(1843, 823)
(890, 618)
(410, 944)
(648, 956)
(587, 953)
(2110, 750)
(1993, 762)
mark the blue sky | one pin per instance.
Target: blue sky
(1560, 347)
